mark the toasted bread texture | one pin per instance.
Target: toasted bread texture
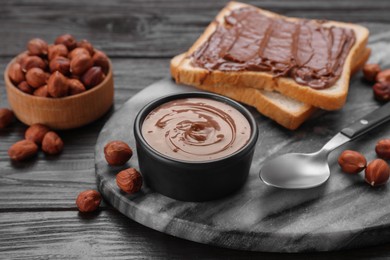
(331, 98)
(286, 111)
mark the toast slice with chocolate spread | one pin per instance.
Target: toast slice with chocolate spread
(286, 111)
(247, 47)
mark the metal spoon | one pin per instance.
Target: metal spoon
(302, 171)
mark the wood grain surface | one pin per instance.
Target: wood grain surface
(38, 217)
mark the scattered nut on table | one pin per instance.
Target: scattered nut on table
(370, 71)
(382, 149)
(382, 91)
(6, 117)
(377, 172)
(352, 162)
(52, 143)
(36, 133)
(117, 153)
(129, 180)
(22, 150)
(88, 201)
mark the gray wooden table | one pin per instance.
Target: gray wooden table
(38, 216)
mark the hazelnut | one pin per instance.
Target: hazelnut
(60, 64)
(66, 39)
(52, 143)
(352, 162)
(370, 71)
(117, 153)
(36, 77)
(23, 86)
(78, 52)
(382, 149)
(41, 92)
(22, 150)
(383, 76)
(88, 200)
(129, 180)
(57, 85)
(86, 45)
(94, 76)
(377, 172)
(57, 50)
(100, 59)
(21, 56)
(80, 64)
(75, 86)
(30, 62)
(37, 47)
(6, 117)
(382, 91)
(36, 132)
(15, 73)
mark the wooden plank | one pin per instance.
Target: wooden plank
(151, 28)
(107, 234)
(54, 182)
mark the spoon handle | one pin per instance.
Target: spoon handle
(368, 122)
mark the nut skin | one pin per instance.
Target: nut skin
(23, 86)
(80, 64)
(370, 71)
(117, 153)
(86, 45)
(36, 132)
(129, 180)
(78, 52)
(382, 91)
(94, 76)
(382, 149)
(29, 62)
(57, 50)
(37, 46)
(36, 77)
(88, 201)
(57, 85)
(352, 162)
(6, 117)
(22, 150)
(100, 59)
(15, 73)
(377, 172)
(52, 143)
(60, 64)
(383, 76)
(41, 92)
(68, 40)
(75, 87)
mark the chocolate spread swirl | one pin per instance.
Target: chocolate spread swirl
(311, 54)
(196, 129)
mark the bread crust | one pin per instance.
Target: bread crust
(331, 98)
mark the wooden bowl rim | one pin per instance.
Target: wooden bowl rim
(50, 99)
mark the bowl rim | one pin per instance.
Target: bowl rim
(8, 82)
(141, 115)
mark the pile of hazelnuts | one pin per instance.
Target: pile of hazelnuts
(381, 88)
(65, 68)
(377, 172)
(129, 180)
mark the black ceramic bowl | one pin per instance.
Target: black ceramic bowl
(194, 180)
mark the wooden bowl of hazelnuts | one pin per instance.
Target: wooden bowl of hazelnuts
(64, 85)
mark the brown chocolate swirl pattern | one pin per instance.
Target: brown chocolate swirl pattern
(196, 129)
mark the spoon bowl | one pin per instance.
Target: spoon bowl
(296, 170)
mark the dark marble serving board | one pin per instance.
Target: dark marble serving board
(343, 213)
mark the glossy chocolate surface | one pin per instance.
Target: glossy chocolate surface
(196, 129)
(310, 53)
